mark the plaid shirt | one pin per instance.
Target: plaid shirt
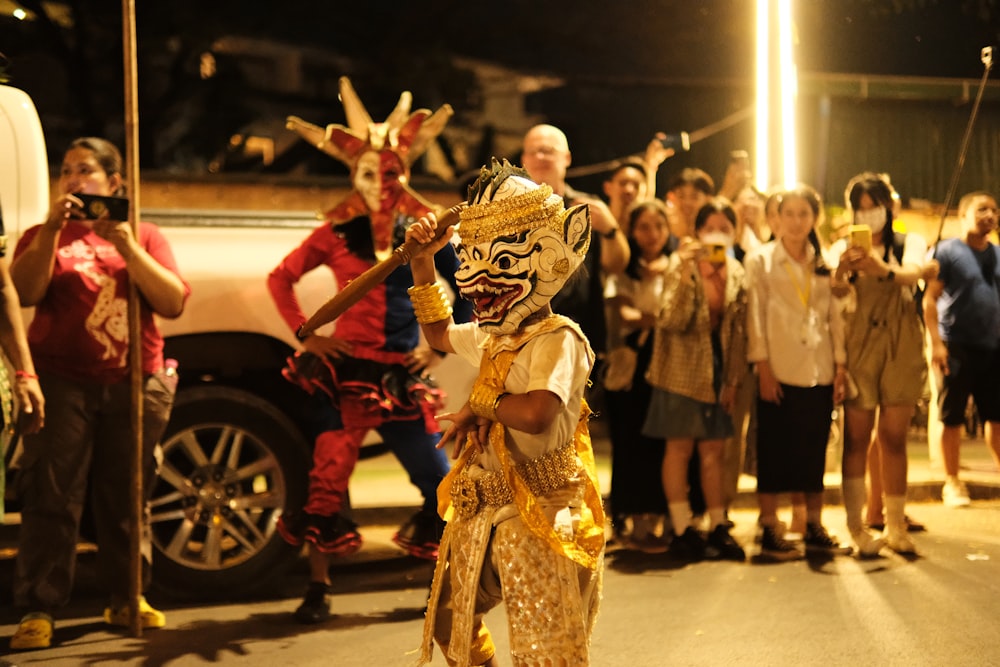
(682, 346)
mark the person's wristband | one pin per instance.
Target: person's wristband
(25, 375)
(613, 232)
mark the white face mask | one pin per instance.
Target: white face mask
(716, 238)
(873, 217)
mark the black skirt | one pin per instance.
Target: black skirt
(792, 439)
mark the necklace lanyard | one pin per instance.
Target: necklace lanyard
(804, 291)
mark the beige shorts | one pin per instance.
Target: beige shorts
(887, 368)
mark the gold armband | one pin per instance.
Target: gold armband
(430, 303)
(485, 399)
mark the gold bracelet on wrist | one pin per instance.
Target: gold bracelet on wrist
(430, 303)
(484, 400)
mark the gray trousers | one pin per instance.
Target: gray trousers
(85, 446)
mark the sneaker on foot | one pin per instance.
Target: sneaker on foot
(421, 535)
(722, 546)
(689, 546)
(118, 614)
(779, 529)
(34, 631)
(954, 493)
(866, 543)
(315, 607)
(773, 545)
(817, 539)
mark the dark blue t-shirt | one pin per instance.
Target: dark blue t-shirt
(969, 306)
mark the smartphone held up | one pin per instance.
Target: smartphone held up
(678, 142)
(860, 236)
(96, 206)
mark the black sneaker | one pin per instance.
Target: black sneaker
(315, 607)
(690, 546)
(722, 546)
(817, 539)
(421, 535)
(774, 546)
(333, 535)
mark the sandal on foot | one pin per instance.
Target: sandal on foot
(149, 617)
(34, 631)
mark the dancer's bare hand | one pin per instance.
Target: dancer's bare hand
(423, 231)
(421, 359)
(327, 347)
(467, 429)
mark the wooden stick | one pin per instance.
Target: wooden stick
(357, 288)
(134, 323)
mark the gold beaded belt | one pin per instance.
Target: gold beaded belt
(543, 475)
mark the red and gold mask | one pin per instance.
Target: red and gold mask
(379, 155)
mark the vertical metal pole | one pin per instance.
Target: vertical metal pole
(134, 323)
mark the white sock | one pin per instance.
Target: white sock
(716, 517)
(855, 495)
(680, 516)
(895, 517)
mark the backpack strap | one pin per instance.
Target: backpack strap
(898, 243)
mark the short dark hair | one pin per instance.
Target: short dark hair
(697, 178)
(634, 163)
(966, 200)
(717, 205)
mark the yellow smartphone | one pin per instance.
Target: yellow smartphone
(860, 235)
(715, 253)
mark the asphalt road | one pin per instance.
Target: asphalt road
(940, 608)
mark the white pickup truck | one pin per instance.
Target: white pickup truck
(235, 451)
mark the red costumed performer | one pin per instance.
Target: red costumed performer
(371, 372)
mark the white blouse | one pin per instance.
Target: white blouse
(793, 320)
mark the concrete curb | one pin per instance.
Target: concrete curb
(917, 492)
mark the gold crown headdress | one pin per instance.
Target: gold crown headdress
(487, 218)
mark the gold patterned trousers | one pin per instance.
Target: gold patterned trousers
(551, 601)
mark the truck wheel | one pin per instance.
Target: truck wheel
(232, 463)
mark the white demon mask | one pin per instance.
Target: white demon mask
(518, 246)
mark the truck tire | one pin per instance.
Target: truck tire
(232, 462)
